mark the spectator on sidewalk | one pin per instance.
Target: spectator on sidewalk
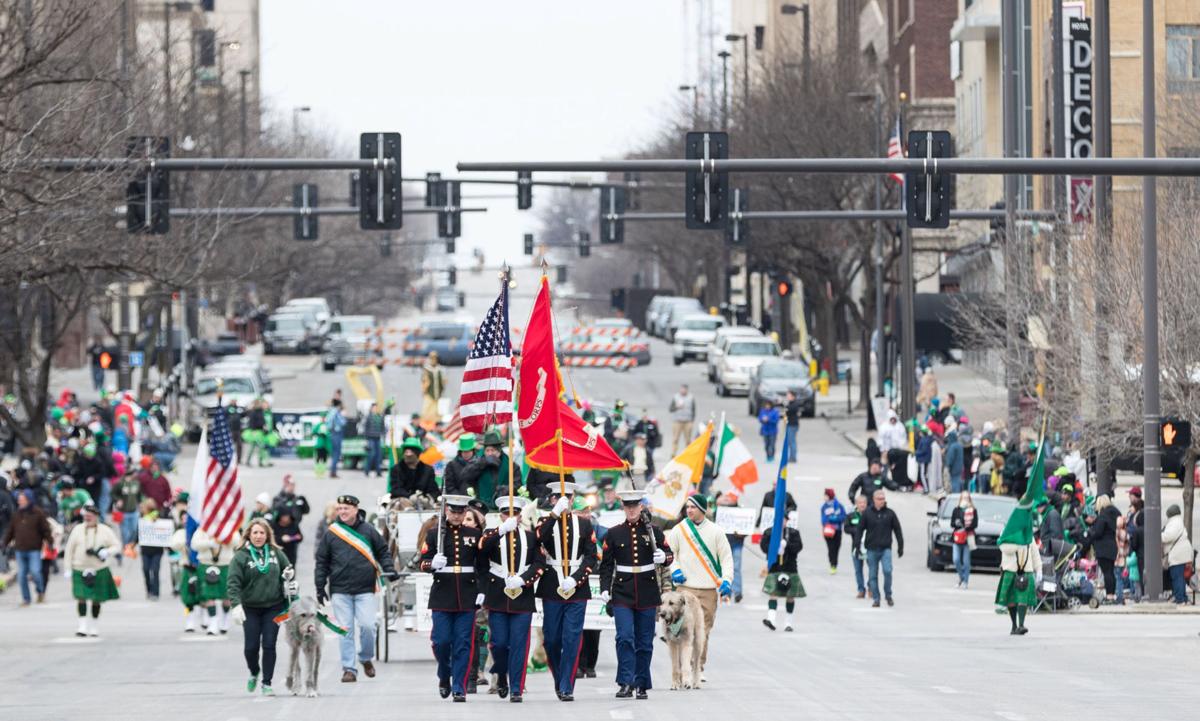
(893, 443)
(335, 425)
(792, 412)
(952, 458)
(923, 455)
(1177, 553)
(373, 429)
(768, 428)
(683, 419)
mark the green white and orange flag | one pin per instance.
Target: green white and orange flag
(734, 461)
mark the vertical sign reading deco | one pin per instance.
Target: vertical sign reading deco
(1079, 113)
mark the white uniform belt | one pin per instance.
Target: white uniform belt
(500, 571)
(558, 564)
(635, 569)
(456, 569)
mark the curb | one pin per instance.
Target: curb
(1141, 609)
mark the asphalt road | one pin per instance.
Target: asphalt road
(941, 653)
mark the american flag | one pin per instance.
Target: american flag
(485, 397)
(895, 150)
(222, 515)
(454, 428)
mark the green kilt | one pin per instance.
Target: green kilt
(795, 589)
(213, 591)
(104, 588)
(189, 587)
(1008, 595)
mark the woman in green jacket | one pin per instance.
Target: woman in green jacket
(257, 593)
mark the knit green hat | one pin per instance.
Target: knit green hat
(699, 501)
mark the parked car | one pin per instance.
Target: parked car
(226, 344)
(674, 315)
(656, 306)
(771, 381)
(235, 383)
(319, 307)
(451, 340)
(721, 338)
(661, 309)
(993, 512)
(348, 341)
(291, 333)
(741, 357)
(446, 298)
(695, 333)
(247, 362)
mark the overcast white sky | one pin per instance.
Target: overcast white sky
(479, 80)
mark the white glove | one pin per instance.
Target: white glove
(479, 599)
(560, 506)
(604, 596)
(239, 614)
(439, 562)
(660, 556)
(567, 583)
(102, 554)
(67, 573)
(508, 525)
(514, 582)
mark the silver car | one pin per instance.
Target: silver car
(693, 336)
(349, 341)
(740, 358)
(722, 338)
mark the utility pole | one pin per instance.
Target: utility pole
(724, 55)
(1151, 411)
(244, 74)
(1013, 255)
(908, 348)
(880, 350)
(1102, 217)
(124, 343)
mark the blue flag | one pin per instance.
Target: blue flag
(774, 547)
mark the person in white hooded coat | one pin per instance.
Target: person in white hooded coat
(1177, 553)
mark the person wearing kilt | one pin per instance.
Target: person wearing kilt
(213, 578)
(89, 547)
(783, 578)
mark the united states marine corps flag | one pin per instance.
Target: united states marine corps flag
(543, 417)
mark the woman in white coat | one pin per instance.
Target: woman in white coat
(1177, 553)
(85, 560)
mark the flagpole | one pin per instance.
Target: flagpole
(720, 448)
(562, 493)
(512, 537)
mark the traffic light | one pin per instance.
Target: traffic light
(149, 189)
(524, 190)
(1174, 437)
(927, 195)
(585, 244)
(634, 194)
(381, 207)
(737, 230)
(304, 223)
(452, 276)
(612, 207)
(705, 196)
(529, 244)
(449, 195)
(431, 189)
(784, 287)
(562, 274)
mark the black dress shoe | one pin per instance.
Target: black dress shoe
(566, 697)
(590, 673)
(625, 691)
(642, 695)
(444, 688)
(502, 688)
(460, 698)
(516, 698)
(558, 694)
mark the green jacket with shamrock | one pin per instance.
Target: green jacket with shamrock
(256, 579)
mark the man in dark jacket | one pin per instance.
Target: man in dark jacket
(854, 528)
(493, 479)
(880, 524)
(373, 430)
(350, 559)
(1050, 532)
(869, 481)
(27, 530)
(461, 477)
(410, 477)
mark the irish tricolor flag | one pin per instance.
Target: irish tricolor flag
(734, 461)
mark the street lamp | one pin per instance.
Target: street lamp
(790, 9)
(745, 40)
(724, 55)
(695, 101)
(880, 355)
(296, 119)
(234, 46)
(244, 76)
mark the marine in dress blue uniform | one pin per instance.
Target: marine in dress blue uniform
(565, 592)
(631, 553)
(510, 564)
(453, 596)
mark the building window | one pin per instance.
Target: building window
(1183, 58)
(955, 60)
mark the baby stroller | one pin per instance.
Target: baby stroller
(1068, 581)
(1079, 583)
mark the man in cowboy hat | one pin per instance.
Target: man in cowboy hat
(513, 563)
(632, 553)
(703, 564)
(351, 558)
(564, 588)
(450, 552)
(461, 477)
(412, 477)
(496, 468)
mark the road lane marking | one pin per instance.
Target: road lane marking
(1010, 715)
(944, 689)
